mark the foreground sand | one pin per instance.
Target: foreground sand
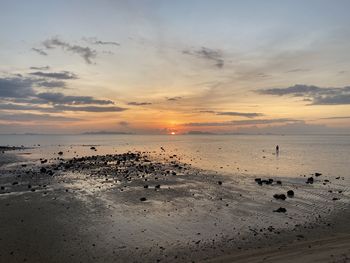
(332, 249)
(135, 208)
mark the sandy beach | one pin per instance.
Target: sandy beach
(139, 207)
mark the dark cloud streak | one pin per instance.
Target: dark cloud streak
(134, 103)
(55, 75)
(208, 54)
(85, 52)
(316, 95)
(40, 51)
(242, 122)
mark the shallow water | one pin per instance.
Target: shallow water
(238, 154)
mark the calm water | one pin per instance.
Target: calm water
(242, 154)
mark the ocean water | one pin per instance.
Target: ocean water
(231, 154)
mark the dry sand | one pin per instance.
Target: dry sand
(91, 210)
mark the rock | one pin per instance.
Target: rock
(280, 196)
(142, 199)
(219, 183)
(257, 180)
(14, 183)
(278, 182)
(60, 153)
(43, 170)
(145, 186)
(93, 148)
(290, 193)
(318, 174)
(44, 161)
(157, 186)
(310, 180)
(280, 210)
(335, 199)
(2, 187)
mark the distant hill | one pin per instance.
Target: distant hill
(106, 133)
(199, 133)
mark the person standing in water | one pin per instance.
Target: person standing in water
(277, 149)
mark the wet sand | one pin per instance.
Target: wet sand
(136, 207)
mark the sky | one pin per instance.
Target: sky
(161, 66)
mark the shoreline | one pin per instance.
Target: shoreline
(187, 213)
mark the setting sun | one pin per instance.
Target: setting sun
(172, 133)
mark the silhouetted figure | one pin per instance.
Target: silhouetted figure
(277, 149)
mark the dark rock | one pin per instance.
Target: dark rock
(157, 186)
(145, 186)
(278, 182)
(280, 210)
(310, 180)
(43, 170)
(93, 148)
(143, 199)
(290, 193)
(280, 196)
(335, 199)
(14, 183)
(219, 182)
(60, 153)
(318, 174)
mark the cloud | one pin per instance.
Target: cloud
(89, 108)
(123, 123)
(40, 68)
(95, 41)
(51, 84)
(242, 122)
(55, 75)
(40, 51)
(207, 111)
(174, 98)
(339, 99)
(297, 70)
(336, 118)
(208, 54)
(16, 87)
(241, 114)
(85, 52)
(59, 108)
(134, 103)
(11, 106)
(33, 117)
(60, 98)
(316, 95)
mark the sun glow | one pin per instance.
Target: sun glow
(173, 133)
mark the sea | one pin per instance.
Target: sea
(255, 155)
